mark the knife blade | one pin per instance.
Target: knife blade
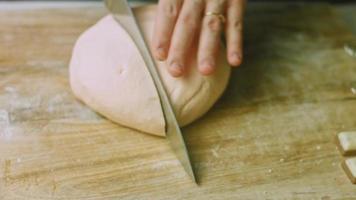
(123, 14)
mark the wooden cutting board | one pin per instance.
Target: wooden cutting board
(271, 136)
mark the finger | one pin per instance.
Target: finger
(168, 11)
(187, 25)
(209, 42)
(234, 36)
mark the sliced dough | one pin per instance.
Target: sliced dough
(349, 166)
(347, 143)
(108, 74)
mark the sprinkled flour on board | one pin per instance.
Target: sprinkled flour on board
(9, 89)
(353, 90)
(4, 117)
(5, 129)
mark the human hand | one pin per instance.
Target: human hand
(178, 22)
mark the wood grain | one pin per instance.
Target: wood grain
(271, 136)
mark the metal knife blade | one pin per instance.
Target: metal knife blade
(123, 14)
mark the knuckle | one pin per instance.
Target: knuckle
(188, 20)
(176, 50)
(219, 3)
(214, 24)
(236, 24)
(237, 2)
(197, 2)
(171, 11)
(160, 45)
(160, 42)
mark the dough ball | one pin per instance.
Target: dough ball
(108, 74)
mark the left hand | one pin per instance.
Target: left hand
(179, 21)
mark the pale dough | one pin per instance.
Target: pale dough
(349, 166)
(347, 143)
(108, 74)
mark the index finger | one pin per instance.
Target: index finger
(168, 11)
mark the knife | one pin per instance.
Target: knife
(123, 14)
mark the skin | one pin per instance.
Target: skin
(180, 22)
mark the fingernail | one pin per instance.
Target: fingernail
(235, 58)
(176, 69)
(160, 53)
(208, 66)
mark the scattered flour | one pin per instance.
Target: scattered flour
(55, 101)
(215, 153)
(45, 63)
(9, 89)
(5, 129)
(4, 117)
(353, 90)
(215, 150)
(165, 164)
(26, 103)
(6, 133)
